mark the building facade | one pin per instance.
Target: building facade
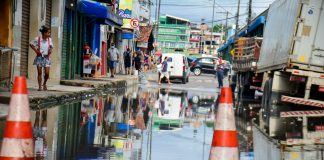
(200, 39)
(73, 23)
(173, 34)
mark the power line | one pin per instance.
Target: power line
(219, 20)
(193, 5)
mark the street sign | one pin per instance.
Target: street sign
(134, 23)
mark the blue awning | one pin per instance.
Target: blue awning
(108, 22)
(128, 35)
(232, 40)
(97, 10)
(256, 23)
(92, 8)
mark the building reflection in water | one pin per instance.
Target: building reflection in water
(109, 127)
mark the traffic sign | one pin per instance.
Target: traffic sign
(134, 23)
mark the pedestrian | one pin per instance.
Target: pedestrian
(164, 72)
(215, 67)
(113, 55)
(146, 62)
(220, 72)
(137, 62)
(42, 46)
(127, 61)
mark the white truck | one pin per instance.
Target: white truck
(292, 60)
(291, 65)
(289, 70)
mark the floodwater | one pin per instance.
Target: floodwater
(141, 124)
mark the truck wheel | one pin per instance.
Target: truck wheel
(197, 71)
(266, 101)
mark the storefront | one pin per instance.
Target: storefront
(83, 25)
(72, 42)
(100, 15)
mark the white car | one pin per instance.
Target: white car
(178, 66)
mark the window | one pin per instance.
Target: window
(207, 60)
(172, 45)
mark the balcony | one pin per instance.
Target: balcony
(173, 26)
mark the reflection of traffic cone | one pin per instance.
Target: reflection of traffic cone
(18, 137)
(225, 144)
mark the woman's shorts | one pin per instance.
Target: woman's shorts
(127, 65)
(42, 62)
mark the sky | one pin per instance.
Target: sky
(196, 10)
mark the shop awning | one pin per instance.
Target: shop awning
(255, 24)
(92, 8)
(145, 32)
(108, 22)
(128, 35)
(98, 10)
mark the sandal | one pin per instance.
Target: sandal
(45, 87)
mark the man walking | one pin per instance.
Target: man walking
(113, 54)
(164, 72)
(127, 61)
(220, 72)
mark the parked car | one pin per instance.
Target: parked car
(203, 65)
(178, 67)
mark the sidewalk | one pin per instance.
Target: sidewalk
(70, 90)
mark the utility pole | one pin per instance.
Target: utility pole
(150, 10)
(201, 35)
(158, 23)
(249, 19)
(226, 27)
(237, 17)
(212, 29)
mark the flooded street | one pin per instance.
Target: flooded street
(141, 123)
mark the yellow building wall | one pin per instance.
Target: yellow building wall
(5, 23)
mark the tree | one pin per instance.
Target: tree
(218, 28)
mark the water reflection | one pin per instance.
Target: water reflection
(147, 123)
(39, 134)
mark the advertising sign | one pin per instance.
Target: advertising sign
(125, 11)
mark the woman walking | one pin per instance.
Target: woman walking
(42, 46)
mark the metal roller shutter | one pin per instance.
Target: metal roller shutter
(24, 38)
(65, 45)
(48, 13)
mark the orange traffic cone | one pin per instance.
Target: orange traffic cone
(18, 137)
(225, 144)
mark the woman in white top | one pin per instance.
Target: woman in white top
(43, 46)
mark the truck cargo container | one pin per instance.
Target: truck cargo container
(289, 71)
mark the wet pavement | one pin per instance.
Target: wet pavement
(145, 123)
